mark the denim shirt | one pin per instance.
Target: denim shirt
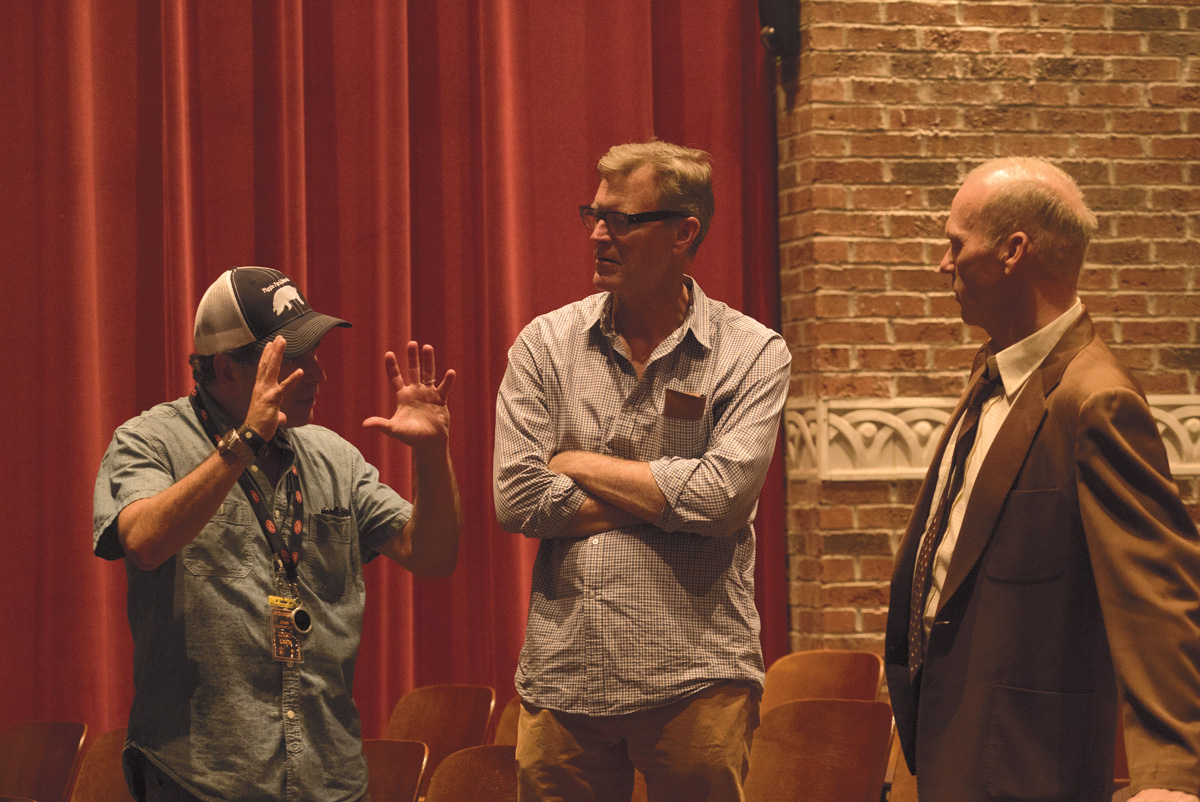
(211, 706)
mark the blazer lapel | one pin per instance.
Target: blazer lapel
(1007, 455)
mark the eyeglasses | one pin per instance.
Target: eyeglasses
(618, 222)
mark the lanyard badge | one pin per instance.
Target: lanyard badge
(289, 621)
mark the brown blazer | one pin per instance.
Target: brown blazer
(1075, 554)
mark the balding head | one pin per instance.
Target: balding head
(1034, 196)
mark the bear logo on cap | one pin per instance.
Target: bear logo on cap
(284, 297)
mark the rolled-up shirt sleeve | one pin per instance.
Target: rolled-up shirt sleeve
(134, 467)
(380, 512)
(716, 493)
(529, 497)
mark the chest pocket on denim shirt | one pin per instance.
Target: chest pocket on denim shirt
(326, 561)
(223, 546)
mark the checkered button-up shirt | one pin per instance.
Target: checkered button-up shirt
(640, 616)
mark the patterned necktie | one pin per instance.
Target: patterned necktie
(923, 573)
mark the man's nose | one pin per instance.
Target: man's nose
(600, 233)
(313, 372)
(947, 265)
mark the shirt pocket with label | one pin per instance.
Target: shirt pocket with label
(222, 549)
(326, 561)
(683, 424)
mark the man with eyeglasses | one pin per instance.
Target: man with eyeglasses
(633, 433)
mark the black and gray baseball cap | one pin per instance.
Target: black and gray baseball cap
(254, 305)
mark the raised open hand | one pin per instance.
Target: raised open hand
(421, 418)
(264, 415)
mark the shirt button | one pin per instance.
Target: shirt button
(291, 714)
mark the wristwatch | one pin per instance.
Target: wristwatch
(243, 443)
(252, 439)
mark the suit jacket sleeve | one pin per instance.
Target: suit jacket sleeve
(1146, 560)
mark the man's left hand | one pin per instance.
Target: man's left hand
(422, 418)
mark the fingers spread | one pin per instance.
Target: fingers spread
(428, 369)
(447, 382)
(421, 367)
(393, 370)
(291, 381)
(414, 365)
(269, 362)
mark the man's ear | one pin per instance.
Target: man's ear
(686, 234)
(226, 371)
(1016, 246)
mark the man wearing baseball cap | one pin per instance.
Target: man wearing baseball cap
(244, 531)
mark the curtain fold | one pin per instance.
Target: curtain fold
(415, 168)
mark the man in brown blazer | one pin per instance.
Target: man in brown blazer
(1049, 560)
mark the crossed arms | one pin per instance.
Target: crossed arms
(545, 491)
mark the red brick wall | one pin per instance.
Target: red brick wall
(892, 104)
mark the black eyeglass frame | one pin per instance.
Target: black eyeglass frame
(625, 220)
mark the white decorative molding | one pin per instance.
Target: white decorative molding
(1178, 418)
(875, 438)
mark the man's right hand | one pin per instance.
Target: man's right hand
(153, 529)
(265, 414)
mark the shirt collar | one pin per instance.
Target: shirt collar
(697, 319)
(1018, 362)
(220, 418)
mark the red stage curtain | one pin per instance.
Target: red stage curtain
(416, 168)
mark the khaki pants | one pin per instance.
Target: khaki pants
(695, 749)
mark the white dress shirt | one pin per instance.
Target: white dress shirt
(1016, 364)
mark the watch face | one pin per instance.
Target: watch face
(231, 443)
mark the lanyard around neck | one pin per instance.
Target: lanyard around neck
(285, 558)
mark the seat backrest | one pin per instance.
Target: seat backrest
(823, 674)
(38, 759)
(477, 774)
(101, 777)
(820, 750)
(446, 718)
(506, 728)
(394, 769)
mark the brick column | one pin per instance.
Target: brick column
(892, 104)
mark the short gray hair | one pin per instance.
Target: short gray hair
(684, 176)
(1043, 201)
